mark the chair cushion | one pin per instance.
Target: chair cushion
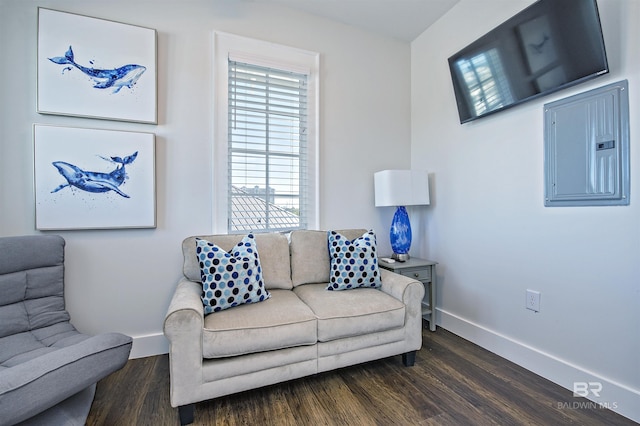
(351, 313)
(354, 263)
(230, 279)
(31, 298)
(283, 321)
(25, 252)
(22, 347)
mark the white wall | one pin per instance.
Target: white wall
(122, 280)
(493, 238)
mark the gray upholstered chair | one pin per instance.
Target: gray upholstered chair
(48, 370)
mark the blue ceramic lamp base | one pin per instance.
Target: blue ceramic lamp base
(400, 235)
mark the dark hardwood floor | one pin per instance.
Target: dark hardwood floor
(453, 382)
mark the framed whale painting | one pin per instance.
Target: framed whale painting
(89, 67)
(93, 179)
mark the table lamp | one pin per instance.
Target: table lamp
(401, 188)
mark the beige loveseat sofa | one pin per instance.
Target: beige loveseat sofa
(302, 329)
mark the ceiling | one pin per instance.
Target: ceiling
(401, 19)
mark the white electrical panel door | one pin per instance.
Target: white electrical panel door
(587, 148)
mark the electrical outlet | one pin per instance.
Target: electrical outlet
(533, 300)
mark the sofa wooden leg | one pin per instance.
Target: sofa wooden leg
(409, 358)
(186, 414)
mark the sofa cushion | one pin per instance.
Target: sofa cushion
(310, 256)
(354, 263)
(274, 257)
(230, 279)
(283, 321)
(351, 313)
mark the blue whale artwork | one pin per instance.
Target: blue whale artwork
(95, 181)
(125, 76)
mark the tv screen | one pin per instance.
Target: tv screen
(551, 45)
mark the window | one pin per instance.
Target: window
(265, 136)
(486, 81)
(267, 143)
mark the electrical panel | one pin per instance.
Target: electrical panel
(587, 148)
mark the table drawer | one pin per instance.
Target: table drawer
(420, 274)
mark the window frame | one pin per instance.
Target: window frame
(271, 55)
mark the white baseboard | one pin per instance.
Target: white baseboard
(149, 345)
(614, 396)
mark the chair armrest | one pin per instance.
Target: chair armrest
(184, 326)
(33, 386)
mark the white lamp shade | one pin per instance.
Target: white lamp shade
(401, 188)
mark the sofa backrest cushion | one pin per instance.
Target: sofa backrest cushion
(31, 283)
(273, 250)
(310, 255)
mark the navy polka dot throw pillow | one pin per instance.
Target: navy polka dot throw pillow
(230, 279)
(353, 263)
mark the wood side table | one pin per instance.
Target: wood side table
(424, 271)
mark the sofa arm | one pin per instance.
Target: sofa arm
(398, 286)
(410, 292)
(186, 300)
(183, 326)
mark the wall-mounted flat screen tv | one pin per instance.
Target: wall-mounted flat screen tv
(551, 45)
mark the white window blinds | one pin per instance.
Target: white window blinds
(267, 143)
(485, 78)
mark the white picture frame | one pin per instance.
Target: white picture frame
(93, 179)
(95, 68)
(538, 42)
